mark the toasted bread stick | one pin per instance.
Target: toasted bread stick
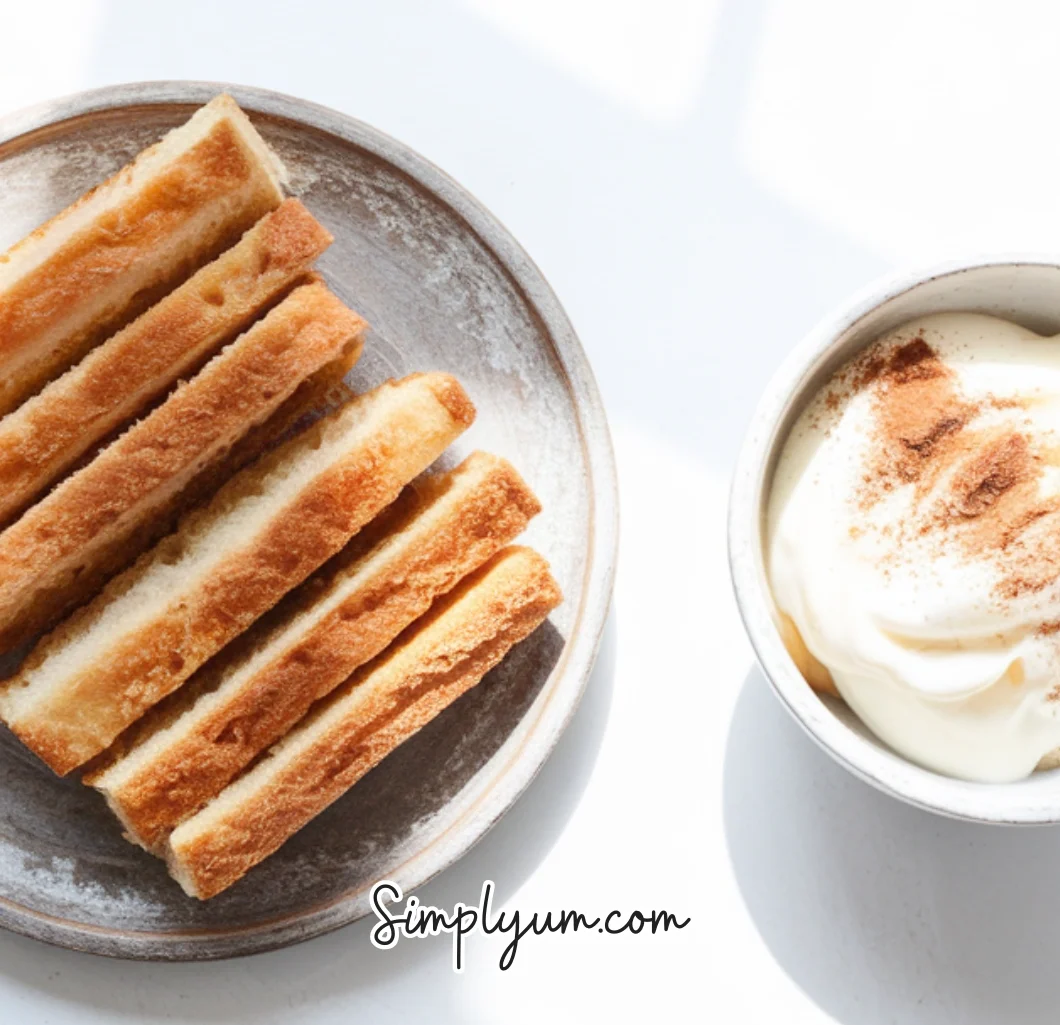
(184, 755)
(64, 535)
(322, 392)
(262, 534)
(816, 673)
(48, 434)
(382, 704)
(104, 260)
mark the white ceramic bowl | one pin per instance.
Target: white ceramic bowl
(1022, 289)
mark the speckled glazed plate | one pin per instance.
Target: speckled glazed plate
(444, 287)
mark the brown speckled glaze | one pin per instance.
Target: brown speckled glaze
(444, 287)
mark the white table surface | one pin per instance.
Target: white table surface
(700, 180)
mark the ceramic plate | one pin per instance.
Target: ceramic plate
(444, 287)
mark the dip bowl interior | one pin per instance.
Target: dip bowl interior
(1022, 289)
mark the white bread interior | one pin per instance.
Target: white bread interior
(48, 433)
(74, 530)
(155, 624)
(349, 732)
(80, 276)
(183, 756)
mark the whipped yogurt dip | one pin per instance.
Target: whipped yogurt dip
(913, 543)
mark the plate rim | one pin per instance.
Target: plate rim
(582, 646)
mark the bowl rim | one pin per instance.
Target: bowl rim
(882, 768)
(516, 765)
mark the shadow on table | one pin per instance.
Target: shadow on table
(879, 911)
(326, 969)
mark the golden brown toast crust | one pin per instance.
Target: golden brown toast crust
(141, 668)
(324, 391)
(815, 672)
(57, 539)
(209, 174)
(195, 767)
(425, 670)
(48, 434)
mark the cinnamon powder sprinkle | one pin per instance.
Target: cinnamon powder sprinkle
(977, 486)
(919, 411)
